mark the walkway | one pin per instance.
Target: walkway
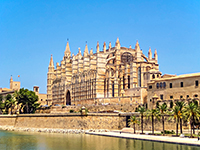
(166, 139)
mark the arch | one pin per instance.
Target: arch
(145, 58)
(68, 98)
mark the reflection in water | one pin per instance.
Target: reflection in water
(48, 141)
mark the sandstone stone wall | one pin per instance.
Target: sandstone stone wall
(7, 120)
(112, 121)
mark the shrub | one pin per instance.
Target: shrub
(71, 110)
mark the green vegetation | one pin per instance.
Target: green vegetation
(25, 100)
(133, 120)
(178, 111)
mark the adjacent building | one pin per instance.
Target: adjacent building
(170, 88)
(115, 74)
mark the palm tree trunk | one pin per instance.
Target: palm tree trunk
(152, 124)
(142, 123)
(191, 128)
(177, 129)
(163, 124)
(181, 128)
(134, 127)
(193, 124)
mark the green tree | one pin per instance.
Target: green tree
(27, 100)
(9, 102)
(190, 112)
(2, 104)
(181, 105)
(133, 120)
(176, 115)
(141, 110)
(163, 110)
(151, 114)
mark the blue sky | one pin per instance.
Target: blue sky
(30, 31)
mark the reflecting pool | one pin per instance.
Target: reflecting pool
(53, 141)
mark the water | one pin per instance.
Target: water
(53, 141)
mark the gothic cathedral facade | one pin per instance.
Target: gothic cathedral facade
(115, 75)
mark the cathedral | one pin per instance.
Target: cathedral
(113, 75)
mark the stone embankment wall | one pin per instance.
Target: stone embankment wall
(77, 121)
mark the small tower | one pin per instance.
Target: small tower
(110, 46)
(11, 82)
(97, 47)
(156, 56)
(85, 54)
(50, 78)
(36, 90)
(104, 47)
(67, 51)
(117, 44)
(149, 54)
(138, 51)
(91, 51)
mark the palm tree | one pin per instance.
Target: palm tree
(181, 105)
(153, 113)
(190, 112)
(133, 120)
(163, 109)
(9, 102)
(176, 115)
(141, 110)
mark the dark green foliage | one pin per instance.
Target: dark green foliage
(168, 132)
(171, 104)
(71, 110)
(27, 100)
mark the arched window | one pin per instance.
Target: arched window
(104, 87)
(123, 82)
(126, 57)
(128, 82)
(113, 89)
(107, 87)
(164, 84)
(157, 85)
(153, 76)
(161, 85)
(139, 76)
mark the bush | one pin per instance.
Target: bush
(71, 110)
(168, 132)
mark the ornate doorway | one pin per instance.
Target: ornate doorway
(68, 98)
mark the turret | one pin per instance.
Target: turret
(110, 46)
(91, 51)
(97, 47)
(138, 51)
(149, 54)
(86, 51)
(11, 82)
(117, 44)
(51, 65)
(104, 47)
(67, 51)
(156, 56)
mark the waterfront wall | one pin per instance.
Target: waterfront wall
(77, 121)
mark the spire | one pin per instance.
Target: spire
(11, 78)
(86, 50)
(117, 44)
(137, 47)
(79, 50)
(130, 46)
(150, 54)
(104, 47)
(91, 51)
(110, 46)
(51, 62)
(97, 47)
(155, 55)
(67, 50)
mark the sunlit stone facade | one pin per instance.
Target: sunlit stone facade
(115, 75)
